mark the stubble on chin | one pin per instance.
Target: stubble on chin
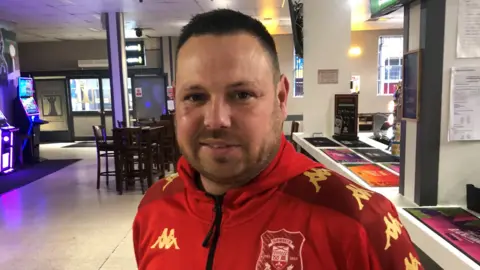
(231, 175)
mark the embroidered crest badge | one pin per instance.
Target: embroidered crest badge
(281, 250)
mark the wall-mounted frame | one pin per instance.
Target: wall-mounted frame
(346, 117)
(412, 71)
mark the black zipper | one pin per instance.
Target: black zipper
(213, 234)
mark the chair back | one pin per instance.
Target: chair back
(100, 134)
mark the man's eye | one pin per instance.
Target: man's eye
(195, 98)
(243, 95)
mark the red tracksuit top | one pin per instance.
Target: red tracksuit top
(296, 215)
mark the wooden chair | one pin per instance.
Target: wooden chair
(104, 150)
(133, 158)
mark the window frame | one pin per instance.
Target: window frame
(298, 69)
(383, 76)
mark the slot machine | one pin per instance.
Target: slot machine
(27, 119)
(7, 146)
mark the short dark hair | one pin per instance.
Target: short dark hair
(227, 22)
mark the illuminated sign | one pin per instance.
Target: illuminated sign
(135, 53)
(379, 8)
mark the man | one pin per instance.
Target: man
(243, 198)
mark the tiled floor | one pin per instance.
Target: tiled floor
(61, 222)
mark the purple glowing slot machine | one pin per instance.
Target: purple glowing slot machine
(7, 152)
(27, 119)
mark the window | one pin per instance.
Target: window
(297, 76)
(390, 58)
(85, 95)
(107, 99)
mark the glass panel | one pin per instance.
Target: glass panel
(390, 63)
(85, 95)
(298, 76)
(107, 99)
(82, 125)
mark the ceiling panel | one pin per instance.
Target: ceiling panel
(80, 19)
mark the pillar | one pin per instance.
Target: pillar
(326, 28)
(420, 147)
(435, 170)
(117, 65)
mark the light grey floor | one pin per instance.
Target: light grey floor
(61, 222)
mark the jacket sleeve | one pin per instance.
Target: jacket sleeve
(389, 239)
(361, 255)
(390, 243)
(136, 241)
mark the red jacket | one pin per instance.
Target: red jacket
(295, 215)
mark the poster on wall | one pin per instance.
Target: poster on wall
(411, 85)
(463, 122)
(9, 64)
(52, 105)
(456, 225)
(468, 36)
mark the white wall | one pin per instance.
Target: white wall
(459, 161)
(364, 65)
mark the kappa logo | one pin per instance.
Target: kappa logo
(169, 179)
(166, 240)
(281, 250)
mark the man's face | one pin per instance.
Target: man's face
(229, 108)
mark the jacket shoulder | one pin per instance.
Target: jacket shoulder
(378, 216)
(162, 189)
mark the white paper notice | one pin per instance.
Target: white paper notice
(464, 122)
(170, 105)
(468, 36)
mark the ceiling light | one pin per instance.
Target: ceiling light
(93, 29)
(354, 3)
(355, 51)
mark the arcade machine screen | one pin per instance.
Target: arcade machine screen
(25, 87)
(30, 106)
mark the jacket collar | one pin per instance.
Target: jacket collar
(286, 165)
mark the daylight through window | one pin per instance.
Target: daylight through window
(390, 58)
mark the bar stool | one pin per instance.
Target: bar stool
(104, 150)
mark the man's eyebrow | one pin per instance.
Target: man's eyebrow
(241, 84)
(194, 87)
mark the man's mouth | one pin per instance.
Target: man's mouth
(218, 145)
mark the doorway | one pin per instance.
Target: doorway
(92, 105)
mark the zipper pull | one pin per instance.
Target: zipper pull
(217, 210)
(206, 241)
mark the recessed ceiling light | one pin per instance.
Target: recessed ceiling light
(68, 2)
(93, 29)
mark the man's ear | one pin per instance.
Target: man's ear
(283, 89)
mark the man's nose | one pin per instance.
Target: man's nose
(217, 114)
